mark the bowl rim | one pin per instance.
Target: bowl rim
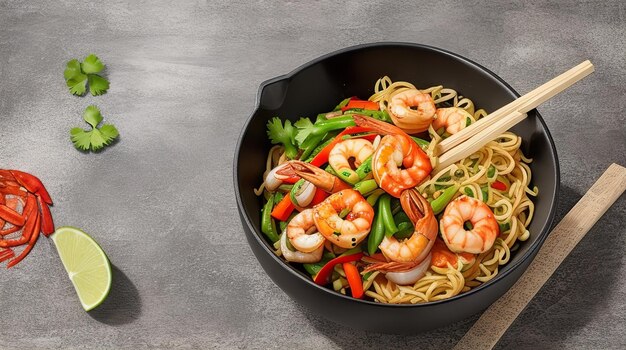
(543, 234)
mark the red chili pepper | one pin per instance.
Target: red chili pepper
(498, 185)
(361, 104)
(283, 209)
(291, 180)
(354, 280)
(318, 197)
(322, 277)
(322, 157)
(6, 254)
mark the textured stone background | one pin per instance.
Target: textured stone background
(184, 76)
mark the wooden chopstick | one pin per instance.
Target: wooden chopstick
(522, 104)
(479, 140)
(492, 324)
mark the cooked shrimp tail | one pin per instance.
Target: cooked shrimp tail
(415, 248)
(318, 177)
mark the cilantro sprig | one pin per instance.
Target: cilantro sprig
(285, 135)
(79, 74)
(96, 138)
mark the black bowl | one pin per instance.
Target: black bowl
(318, 86)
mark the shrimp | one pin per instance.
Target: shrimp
(359, 149)
(298, 256)
(302, 232)
(453, 119)
(318, 177)
(480, 237)
(442, 256)
(395, 149)
(415, 248)
(402, 112)
(277, 175)
(348, 231)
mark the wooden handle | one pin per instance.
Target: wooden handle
(486, 332)
(522, 104)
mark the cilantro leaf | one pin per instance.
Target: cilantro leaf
(92, 116)
(305, 127)
(74, 78)
(285, 135)
(78, 74)
(91, 64)
(97, 84)
(96, 138)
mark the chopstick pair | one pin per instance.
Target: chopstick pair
(475, 136)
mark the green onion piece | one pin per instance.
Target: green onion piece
(329, 169)
(367, 275)
(468, 121)
(342, 104)
(373, 197)
(366, 186)
(365, 168)
(344, 212)
(485, 193)
(444, 198)
(491, 172)
(504, 226)
(469, 192)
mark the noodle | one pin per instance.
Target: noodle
(513, 207)
(500, 160)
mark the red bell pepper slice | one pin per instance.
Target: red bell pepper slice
(318, 197)
(283, 209)
(361, 104)
(498, 185)
(322, 277)
(322, 157)
(354, 280)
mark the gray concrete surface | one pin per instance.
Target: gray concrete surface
(183, 78)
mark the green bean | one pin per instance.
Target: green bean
(283, 224)
(444, 198)
(310, 145)
(385, 212)
(365, 168)
(366, 186)
(376, 233)
(338, 123)
(268, 226)
(373, 197)
(314, 268)
(318, 149)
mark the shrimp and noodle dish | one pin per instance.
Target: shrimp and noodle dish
(351, 198)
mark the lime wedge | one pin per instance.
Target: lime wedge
(85, 263)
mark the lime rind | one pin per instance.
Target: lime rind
(89, 268)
